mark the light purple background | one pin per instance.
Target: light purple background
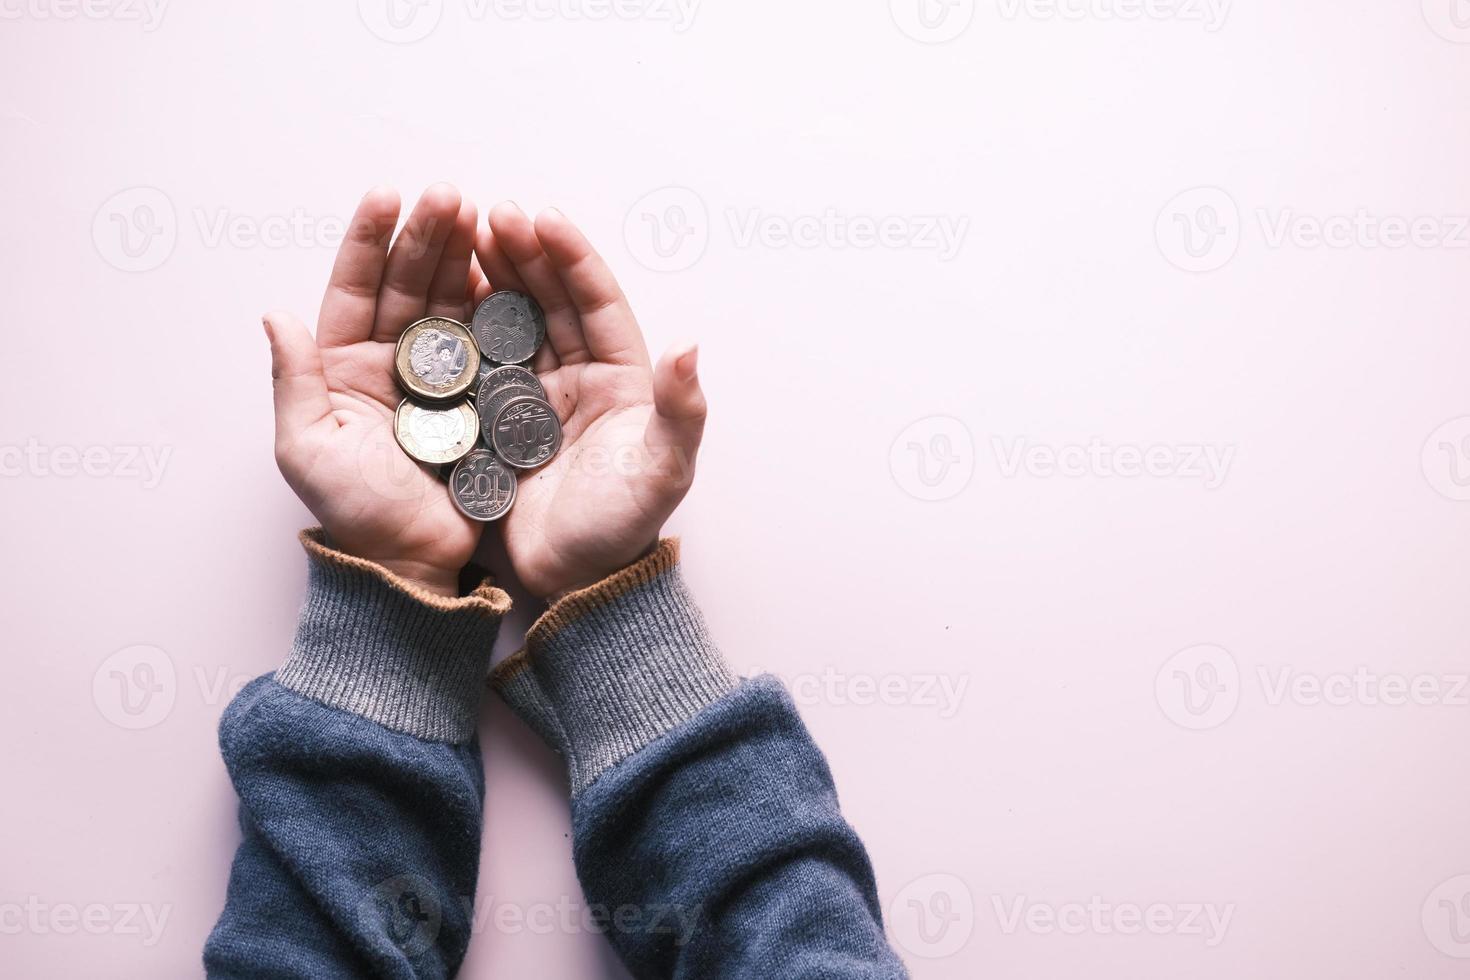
(1119, 641)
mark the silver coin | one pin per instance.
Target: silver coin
(509, 327)
(436, 358)
(436, 434)
(526, 432)
(485, 368)
(491, 399)
(513, 375)
(482, 487)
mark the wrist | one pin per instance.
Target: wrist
(374, 643)
(430, 578)
(577, 580)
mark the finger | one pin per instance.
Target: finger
(296, 375)
(679, 410)
(500, 272)
(404, 296)
(452, 285)
(352, 291)
(476, 286)
(516, 237)
(608, 325)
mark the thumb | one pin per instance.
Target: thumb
(679, 407)
(296, 373)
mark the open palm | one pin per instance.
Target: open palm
(630, 431)
(335, 394)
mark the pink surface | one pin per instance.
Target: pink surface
(1089, 445)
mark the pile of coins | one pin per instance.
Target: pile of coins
(471, 405)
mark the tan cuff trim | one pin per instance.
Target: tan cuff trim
(575, 605)
(485, 598)
(509, 669)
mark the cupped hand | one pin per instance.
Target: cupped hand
(630, 431)
(335, 395)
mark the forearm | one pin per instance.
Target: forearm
(707, 830)
(360, 784)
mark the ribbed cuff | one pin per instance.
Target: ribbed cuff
(610, 668)
(378, 646)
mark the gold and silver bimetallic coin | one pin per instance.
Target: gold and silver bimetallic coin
(436, 434)
(437, 359)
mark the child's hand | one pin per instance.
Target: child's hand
(335, 395)
(630, 431)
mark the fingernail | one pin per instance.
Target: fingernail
(265, 321)
(687, 364)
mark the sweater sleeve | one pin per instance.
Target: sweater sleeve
(707, 835)
(360, 785)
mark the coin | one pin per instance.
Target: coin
(490, 401)
(482, 487)
(509, 327)
(526, 432)
(436, 434)
(486, 366)
(436, 359)
(513, 375)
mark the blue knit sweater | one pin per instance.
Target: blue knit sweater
(707, 835)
